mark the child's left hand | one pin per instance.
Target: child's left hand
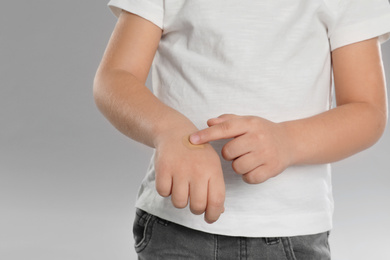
(260, 149)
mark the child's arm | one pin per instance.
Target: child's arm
(263, 149)
(360, 118)
(120, 94)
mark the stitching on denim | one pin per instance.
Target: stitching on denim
(243, 248)
(327, 241)
(287, 247)
(148, 217)
(216, 247)
(139, 214)
(246, 249)
(272, 240)
(240, 240)
(162, 221)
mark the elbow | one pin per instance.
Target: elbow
(373, 121)
(98, 91)
(381, 120)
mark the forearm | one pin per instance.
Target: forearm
(335, 134)
(133, 109)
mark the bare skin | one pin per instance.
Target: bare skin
(262, 149)
(196, 175)
(184, 171)
(187, 143)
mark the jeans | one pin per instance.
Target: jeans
(156, 238)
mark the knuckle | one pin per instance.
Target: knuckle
(161, 167)
(275, 165)
(277, 168)
(225, 127)
(197, 208)
(163, 191)
(237, 167)
(247, 178)
(251, 120)
(226, 153)
(254, 178)
(163, 185)
(216, 201)
(179, 203)
(259, 136)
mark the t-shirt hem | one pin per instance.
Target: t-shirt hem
(294, 225)
(145, 9)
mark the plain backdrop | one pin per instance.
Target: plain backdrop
(69, 179)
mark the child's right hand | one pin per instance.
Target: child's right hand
(190, 173)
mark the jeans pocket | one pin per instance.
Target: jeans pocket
(309, 247)
(142, 229)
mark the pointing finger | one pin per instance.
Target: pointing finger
(220, 119)
(225, 130)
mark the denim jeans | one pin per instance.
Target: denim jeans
(156, 238)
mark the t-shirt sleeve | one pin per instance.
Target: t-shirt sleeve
(152, 10)
(358, 20)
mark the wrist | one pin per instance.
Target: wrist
(290, 143)
(173, 134)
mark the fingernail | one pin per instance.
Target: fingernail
(194, 138)
(208, 221)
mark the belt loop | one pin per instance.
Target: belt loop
(272, 240)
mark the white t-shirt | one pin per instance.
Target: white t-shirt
(270, 59)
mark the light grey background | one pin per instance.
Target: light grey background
(69, 179)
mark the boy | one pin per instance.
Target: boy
(241, 120)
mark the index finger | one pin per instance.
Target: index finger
(225, 130)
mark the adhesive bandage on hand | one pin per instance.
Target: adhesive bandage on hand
(189, 145)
